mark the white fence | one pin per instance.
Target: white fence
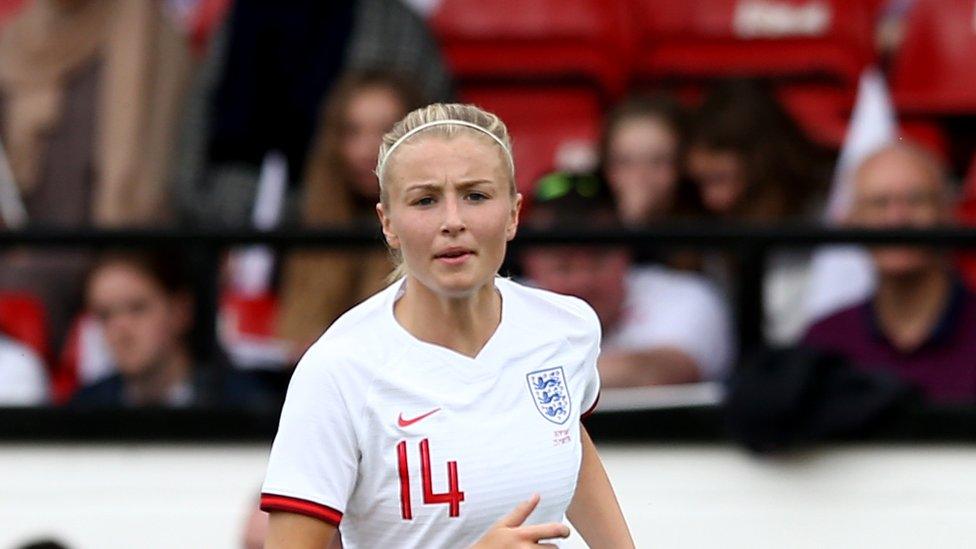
(181, 496)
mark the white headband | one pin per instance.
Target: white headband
(422, 127)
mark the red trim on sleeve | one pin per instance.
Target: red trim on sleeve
(272, 502)
(592, 409)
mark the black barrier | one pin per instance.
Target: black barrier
(751, 244)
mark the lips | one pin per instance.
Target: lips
(453, 253)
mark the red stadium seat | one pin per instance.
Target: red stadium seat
(807, 39)
(22, 317)
(934, 72)
(544, 124)
(84, 359)
(246, 328)
(539, 40)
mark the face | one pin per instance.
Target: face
(595, 275)
(720, 178)
(142, 324)
(897, 190)
(449, 211)
(370, 114)
(641, 168)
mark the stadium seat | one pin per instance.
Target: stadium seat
(246, 329)
(22, 317)
(84, 359)
(806, 39)
(548, 127)
(822, 112)
(538, 41)
(934, 71)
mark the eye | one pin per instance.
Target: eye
(476, 196)
(423, 201)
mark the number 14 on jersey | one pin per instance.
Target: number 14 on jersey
(453, 497)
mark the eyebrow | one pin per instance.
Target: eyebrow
(464, 185)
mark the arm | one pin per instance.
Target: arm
(594, 511)
(662, 366)
(294, 531)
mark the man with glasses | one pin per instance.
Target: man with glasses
(920, 324)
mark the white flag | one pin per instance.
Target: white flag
(844, 275)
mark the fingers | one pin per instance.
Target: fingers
(520, 513)
(544, 531)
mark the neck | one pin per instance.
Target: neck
(153, 387)
(909, 307)
(462, 324)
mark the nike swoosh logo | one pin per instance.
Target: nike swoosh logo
(407, 422)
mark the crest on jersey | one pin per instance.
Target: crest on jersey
(550, 393)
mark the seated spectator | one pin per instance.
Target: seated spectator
(659, 326)
(921, 321)
(146, 311)
(749, 160)
(89, 92)
(640, 157)
(341, 189)
(23, 378)
(751, 164)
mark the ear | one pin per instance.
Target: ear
(514, 217)
(392, 240)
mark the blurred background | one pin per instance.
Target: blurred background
(769, 203)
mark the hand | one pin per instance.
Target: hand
(509, 532)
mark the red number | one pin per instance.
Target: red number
(453, 497)
(405, 510)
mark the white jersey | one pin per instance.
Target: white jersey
(403, 443)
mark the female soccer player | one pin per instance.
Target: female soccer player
(445, 410)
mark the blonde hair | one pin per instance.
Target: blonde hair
(445, 120)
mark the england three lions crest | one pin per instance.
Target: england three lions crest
(550, 393)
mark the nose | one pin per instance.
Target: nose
(453, 223)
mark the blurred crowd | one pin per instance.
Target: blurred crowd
(241, 114)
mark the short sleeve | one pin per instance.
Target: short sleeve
(314, 459)
(589, 372)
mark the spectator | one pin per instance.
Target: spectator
(749, 160)
(23, 378)
(341, 189)
(920, 323)
(750, 163)
(640, 153)
(146, 312)
(89, 90)
(262, 83)
(659, 326)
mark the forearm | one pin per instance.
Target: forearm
(665, 366)
(594, 511)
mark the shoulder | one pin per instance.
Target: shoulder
(535, 307)
(23, 377)
(669, 288)
(104, 393)
(839, 326)
(665, 281)
(15, 356)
